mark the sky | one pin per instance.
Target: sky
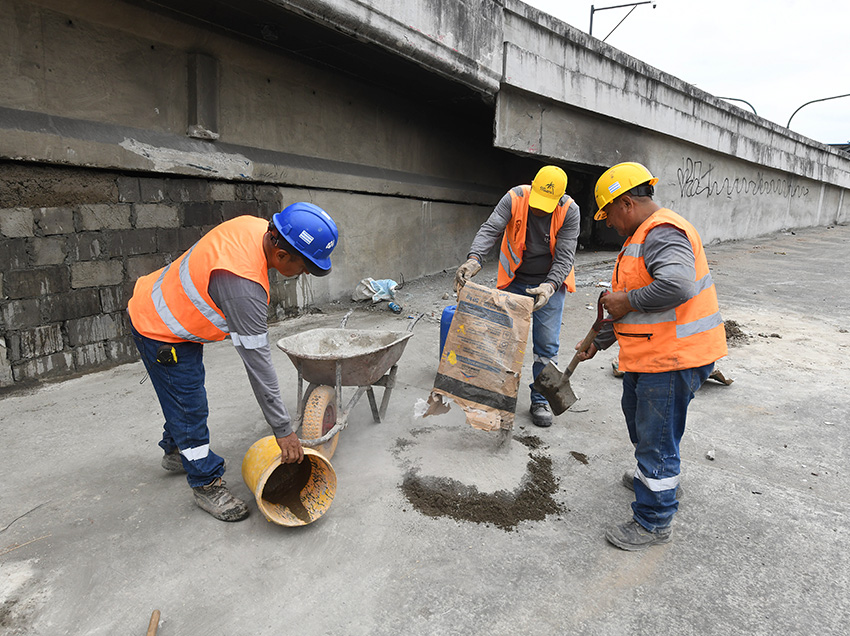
(777, 55)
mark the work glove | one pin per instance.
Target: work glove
(543, 292)
(466, 271)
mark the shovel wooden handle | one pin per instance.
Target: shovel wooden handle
(588, 339)
(584, 346)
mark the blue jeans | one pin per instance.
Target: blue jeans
(545, 331)
(183, 399)
(656, 406)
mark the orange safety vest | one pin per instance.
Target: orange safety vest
(513, 241)
(688, 336)
(173, 304)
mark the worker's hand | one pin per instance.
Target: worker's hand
(466, 271)
(291, 451)
(587, 354)
(543, 293)
(617, 304)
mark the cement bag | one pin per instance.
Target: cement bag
(481, 362)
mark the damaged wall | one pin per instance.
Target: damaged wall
(76, 240)
(102, 184)
(128, 128)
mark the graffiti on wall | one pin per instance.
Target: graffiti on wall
(698, 179)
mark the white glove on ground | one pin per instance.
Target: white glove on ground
(543, 293)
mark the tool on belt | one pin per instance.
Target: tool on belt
(167, 355)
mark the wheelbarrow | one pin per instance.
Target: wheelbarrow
(329, 359)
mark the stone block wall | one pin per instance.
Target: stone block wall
(72, 244)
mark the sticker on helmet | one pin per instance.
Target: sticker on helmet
(330, 245)
(614, 187)
(306, 237)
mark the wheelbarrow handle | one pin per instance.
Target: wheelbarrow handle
(413, 324)
(345, 318)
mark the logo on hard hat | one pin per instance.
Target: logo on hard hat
(306, 237)
(614, 187)
(330, 245)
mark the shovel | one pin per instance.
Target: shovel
(554, 384)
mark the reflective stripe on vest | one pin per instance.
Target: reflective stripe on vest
(687, 336)
(513, 240)
(173, 304)
(194, 297)
(165, 314)
(509, 264)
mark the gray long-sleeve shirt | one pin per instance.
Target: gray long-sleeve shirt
(669, 259)
(538, 265)
(243, 303)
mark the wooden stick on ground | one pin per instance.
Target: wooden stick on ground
(154, 624)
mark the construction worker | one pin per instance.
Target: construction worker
(668, 325)
(220, 286)
(536, 259)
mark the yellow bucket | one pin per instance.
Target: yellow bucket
(289, 494)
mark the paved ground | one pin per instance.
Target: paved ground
(94, 535)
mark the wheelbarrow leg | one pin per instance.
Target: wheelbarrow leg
(373, 404)
(388, 382)
(390, 385)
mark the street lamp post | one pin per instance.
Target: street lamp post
(736, 99)
(633, 5)
(788, 125)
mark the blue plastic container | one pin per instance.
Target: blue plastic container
(445, 325)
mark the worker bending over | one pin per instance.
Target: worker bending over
(220, 287)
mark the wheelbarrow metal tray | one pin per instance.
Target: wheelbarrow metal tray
(365, 356)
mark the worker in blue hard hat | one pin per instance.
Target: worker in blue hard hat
(220, 287)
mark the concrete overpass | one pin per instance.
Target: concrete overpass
(128, 128)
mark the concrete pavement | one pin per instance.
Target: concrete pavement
(94, 535)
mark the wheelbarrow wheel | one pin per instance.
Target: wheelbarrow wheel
(320, 417)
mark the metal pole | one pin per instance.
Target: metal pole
(735, 99)
(620, 22)
(788, 125)
(593, 9)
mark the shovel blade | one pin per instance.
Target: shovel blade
(554, 385)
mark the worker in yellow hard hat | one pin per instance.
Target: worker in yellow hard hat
(668, 325)
(538, 225)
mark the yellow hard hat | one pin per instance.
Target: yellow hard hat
(547, 188)
(618, 180)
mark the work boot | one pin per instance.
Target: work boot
(173, 464)
(628, 482)
(633, 536)
(541, 414)
(217, 500)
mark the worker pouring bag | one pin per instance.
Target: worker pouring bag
(481, 362)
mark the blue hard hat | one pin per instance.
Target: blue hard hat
(309, 230)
